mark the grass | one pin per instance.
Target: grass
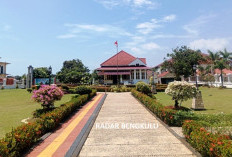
(15, 105)
(215, 100)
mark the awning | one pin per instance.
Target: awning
(114, 73)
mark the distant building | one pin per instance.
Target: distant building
(165, 76)
(124, 68)
(3, 65)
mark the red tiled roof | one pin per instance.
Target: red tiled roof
(143, 60)
(121, 59)
(163, 74)
(225, 71)
(122, 68)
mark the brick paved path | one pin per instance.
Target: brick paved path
(122, 108)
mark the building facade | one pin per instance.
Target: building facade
(124, 68)
(164, 76)
(3, 73)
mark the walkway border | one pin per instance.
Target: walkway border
(171, 131)
(77, 145)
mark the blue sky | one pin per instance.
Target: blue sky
(43, 33)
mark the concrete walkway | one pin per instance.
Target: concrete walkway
(119, 109)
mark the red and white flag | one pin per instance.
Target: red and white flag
(116, 43)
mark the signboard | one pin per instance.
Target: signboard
(43, 81)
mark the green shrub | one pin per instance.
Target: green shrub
(65, 87)
(29, 90)
(83, 90)
(23, 137)
(143, 87)
(207, 143)
(102, 88)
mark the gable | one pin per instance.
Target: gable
(137, 62)
(121, 59)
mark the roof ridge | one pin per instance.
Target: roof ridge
(116, 55)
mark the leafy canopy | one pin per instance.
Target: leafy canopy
(73, 71)
(182, 61)
(41, 72)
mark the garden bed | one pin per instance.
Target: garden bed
(20, 139)
(201, 131)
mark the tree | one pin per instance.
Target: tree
(221, 64)
(73, 71)
(213, 57)
(182, 61)
(41, 72)
(226, 55)
(181, 91)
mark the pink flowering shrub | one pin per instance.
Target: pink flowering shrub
(47, 95)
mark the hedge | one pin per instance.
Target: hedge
(207, 143)
(20, 139)
(169, 116)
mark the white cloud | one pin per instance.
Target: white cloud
(66, 36)
(169, 18)
(195, 26)
(5, 27)
(148, 27)
(110, 4)
(162, 36)
(150, 46)
(210, 44)
(94, 30)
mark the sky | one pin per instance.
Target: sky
(48, 32)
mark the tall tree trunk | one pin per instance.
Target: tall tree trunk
(176, 104)
(222, 78)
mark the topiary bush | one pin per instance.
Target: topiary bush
(181, 91)
(83, 90)
(143, 87)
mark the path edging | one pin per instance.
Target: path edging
(81, 138)
(171, 131)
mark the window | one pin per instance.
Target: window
(1, 69)
(132, 74)
(143, 74)
(109, 77)
(125, 77)
(137, 75)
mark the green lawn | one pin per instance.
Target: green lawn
(15, 105)
(215, 100)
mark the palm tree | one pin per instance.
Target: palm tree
(221, 64)
(213, 57)
(227, 56)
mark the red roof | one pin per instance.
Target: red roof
(122, 68)
(163, 74)
(121, 59)
(225, 71)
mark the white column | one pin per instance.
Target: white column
(189, 79)
(140, 74)
(134, 74)
(229, 78)
(14, 82)
(120, 78)
(4, 69)
(197, 78)
(130, 74)
(4, 82)
(145, 74)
